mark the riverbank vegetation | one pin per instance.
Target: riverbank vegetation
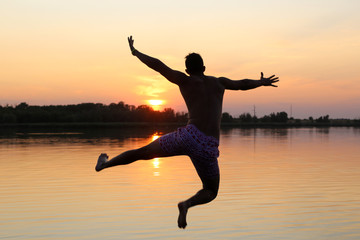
(121, 114)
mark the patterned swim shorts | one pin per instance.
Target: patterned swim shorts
(202, 149)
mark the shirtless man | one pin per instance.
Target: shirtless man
(199, 139)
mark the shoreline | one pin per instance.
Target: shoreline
(332, 123)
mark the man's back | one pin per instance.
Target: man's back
(203, 96)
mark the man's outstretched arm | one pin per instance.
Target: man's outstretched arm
(157, 65)
(247, 84)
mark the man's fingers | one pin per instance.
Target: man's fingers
(131, 41)
(270, 80)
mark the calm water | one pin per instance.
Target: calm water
(301, 183)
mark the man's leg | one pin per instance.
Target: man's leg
(205, 195)
(149, 151)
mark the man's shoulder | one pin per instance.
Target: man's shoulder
(193, 80)
(211, 77)
(217, 80)
(203, 77)
(175, 76)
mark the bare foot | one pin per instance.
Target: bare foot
(101, 161)
(182, 214)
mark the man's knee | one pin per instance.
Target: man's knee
(150, 151)
(145, 153)
(212, 185)
(213, 194)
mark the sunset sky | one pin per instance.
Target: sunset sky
(74, 51)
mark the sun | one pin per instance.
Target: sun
(156, 103)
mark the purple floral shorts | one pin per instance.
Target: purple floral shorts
(202, 149)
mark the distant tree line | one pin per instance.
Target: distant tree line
(87, 112)
(121, 112)
(279, 117)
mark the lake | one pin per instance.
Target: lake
(286, 183)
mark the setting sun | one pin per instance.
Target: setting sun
(155, 103)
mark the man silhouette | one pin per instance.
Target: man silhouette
(199, 139)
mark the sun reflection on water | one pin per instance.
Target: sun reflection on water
(156, 161)
(155, 136)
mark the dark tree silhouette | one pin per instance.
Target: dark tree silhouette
(87, 112)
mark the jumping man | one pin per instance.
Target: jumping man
(199, 139)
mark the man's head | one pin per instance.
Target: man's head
(194, 64)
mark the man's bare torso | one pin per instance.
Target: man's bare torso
(203, 96)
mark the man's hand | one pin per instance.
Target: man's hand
(269, 81)
(131, 45)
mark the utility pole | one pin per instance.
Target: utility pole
(254, 111)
